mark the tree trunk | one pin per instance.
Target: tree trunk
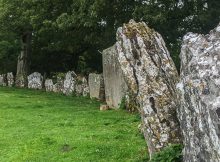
(23, 64)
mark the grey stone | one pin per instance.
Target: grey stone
(96, 86)
(199, 89)
(3, 80)
(35, 81)
(82, 87)
(151, 76)
(115, 86)
(58, 87)
(69, 83)
(10, 79)
(49, 85)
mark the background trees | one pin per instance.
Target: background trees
(70, 34)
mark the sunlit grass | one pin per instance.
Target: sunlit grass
(39, 127)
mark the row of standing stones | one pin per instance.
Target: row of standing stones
(174, 108)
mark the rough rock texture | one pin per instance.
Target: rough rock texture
(151, 75)
(96, 86)
(48, 85)
(104, 107)
(69, 83)
(10, 79)
(58, 87)
(115, 86)
(35, 81)
(3, 80)
(200, 96)
(82, 87)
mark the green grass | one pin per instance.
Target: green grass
(39, 127)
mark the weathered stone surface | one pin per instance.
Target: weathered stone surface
(69, 83)
(35, 81)
(151, 75)
(96, 86)
(3, 80)
(48, 85)
(10, 79)
(199, 87)
(82, 87)
(115, 86)
(104, 107)
(58, 87)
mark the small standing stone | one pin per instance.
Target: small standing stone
(49, 85)
(3, 80)
(69, 83)
(104, 107)
(10, 79)
(35, 81)
(96, 86)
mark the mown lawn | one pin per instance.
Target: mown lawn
(39, 127)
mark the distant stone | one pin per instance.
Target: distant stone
(58, 87)
(10, 79)
(81, 86)
(69, 83)
(35, 81)
(115, 86)
(104, 107)
(96, 86)
(49, 85)
(151, 76)
(199, 89)
(3, 80)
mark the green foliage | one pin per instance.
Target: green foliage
(37, 126)
(171, 153)
(71, 35)
(123, 103)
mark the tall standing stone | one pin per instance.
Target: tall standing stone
(199, 87)
(96, 86)
(151, 76)
(10, 79)
(115, 86)
(69, 83)
(35, 81)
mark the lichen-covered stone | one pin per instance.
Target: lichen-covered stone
(151, 76)
(69, 83)
(3, 80)
(35, 81)
(10, 79)
(115, 86)
(96, 86)
(48, 85)
(199, 87)
(58, 86)
(82, 87)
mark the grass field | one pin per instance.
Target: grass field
(39, 127)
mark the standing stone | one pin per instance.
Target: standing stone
(48, 85)
(82, 87)
(35, 81)
(151, 75)
(199, 87)
(115, 86)
(69, 83)
(58, 87)
(96, 86)
(10, 79)
(3, 80)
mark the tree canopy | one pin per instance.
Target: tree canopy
(70, 34)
